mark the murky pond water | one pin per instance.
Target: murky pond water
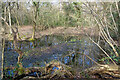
(67, 49)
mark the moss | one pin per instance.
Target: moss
(21, 71)
(31, 39)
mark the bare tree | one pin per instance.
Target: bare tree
(102, 20)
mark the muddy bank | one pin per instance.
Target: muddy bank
(26, 31)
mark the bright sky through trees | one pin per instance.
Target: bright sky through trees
(62, 0)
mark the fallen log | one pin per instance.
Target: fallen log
(52, 70)
(102, 70)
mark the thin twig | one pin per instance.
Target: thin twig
(5, 21)
(91, 59)
(37, 75)
(115, 26)
(117, 8)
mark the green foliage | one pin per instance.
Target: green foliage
(31, 39)
(27, 20)
(48, 14)
(113, 56)
(72, 14)
(73, 40)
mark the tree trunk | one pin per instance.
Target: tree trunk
(9, 11)
(5, 12)
(18, 25)
(119, 35)
(33, 35)
(35, 18)
(2, 67)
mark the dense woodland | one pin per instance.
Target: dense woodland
(98, 21)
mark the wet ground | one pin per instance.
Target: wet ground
(66, 49)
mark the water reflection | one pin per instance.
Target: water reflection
(48, 48)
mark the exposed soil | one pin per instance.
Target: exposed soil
(26, 31)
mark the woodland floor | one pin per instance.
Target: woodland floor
(26, 31)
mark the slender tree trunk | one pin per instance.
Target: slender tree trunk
(35, 18)
(2, 67)
(9, 12)
(2, 12)
(33, 35)
(18, 36)
(119, 35)
(5, 12)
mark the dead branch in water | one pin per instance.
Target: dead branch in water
(102, 49)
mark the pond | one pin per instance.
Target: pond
(67, 49)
